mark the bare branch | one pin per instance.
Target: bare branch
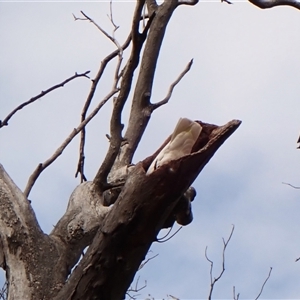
(134, 201)
(213, 281)
(146, 261)
(262, 288)
(136, 289)
(235, 297)
(272, 3)
(110, 16)
(295, 187)
(163, 241)
(42, 166)
(163, 237)
(80, 166)
(188, 2)
(151, 6)
(116, 126)
(172, 86)
(4, 291)
(141, 109)
(79, 19)
(43, 93)
(226, 1)
(102, 30)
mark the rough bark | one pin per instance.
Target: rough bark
(141, 210)
(141, 107)
(26, 249)
(37, 264)
(120, 213)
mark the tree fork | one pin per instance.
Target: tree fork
(144, 204)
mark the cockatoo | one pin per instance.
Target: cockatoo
(182, 141)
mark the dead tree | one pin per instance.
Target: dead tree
(120, 213)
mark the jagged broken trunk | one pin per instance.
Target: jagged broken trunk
(144, 205)
(119, 236)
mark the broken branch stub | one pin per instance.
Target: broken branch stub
(211, 137)
(186, 168)
(139, 213)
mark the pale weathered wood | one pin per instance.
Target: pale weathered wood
(120, 213)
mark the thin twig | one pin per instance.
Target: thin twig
(262, 288)
(136, 289)
(163, 241)
(110, 16)
(146, 261)
(227, 1)
(43, 93)
(172, 86)
(235, 297)
(166, 233)
(42, 166)
(295, 187)
(272, 3)
(116, 125)
(80, 165)
(4, 291)
(102, 30)
(213, 281)
(188, 2)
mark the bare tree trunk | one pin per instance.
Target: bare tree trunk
(141, 210)
(120, 213)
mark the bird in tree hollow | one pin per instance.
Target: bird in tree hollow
(182, 141)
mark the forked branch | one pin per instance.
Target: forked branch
(237, 296)
(116, 126)
(215, 279)
(102, 30)
(172, 86)
(42, 166)
(42, 94)
(107, 59)
(141, 108)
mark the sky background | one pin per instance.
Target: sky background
(246, 66)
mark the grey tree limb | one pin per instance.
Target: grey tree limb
(33, 259)
(25, 259)
(117, 220)
(134, 221)
(95, 81)
(42, 166)
(141, 107)
(272, 3)
(172, 86)
(42, 94)
(116, 126)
